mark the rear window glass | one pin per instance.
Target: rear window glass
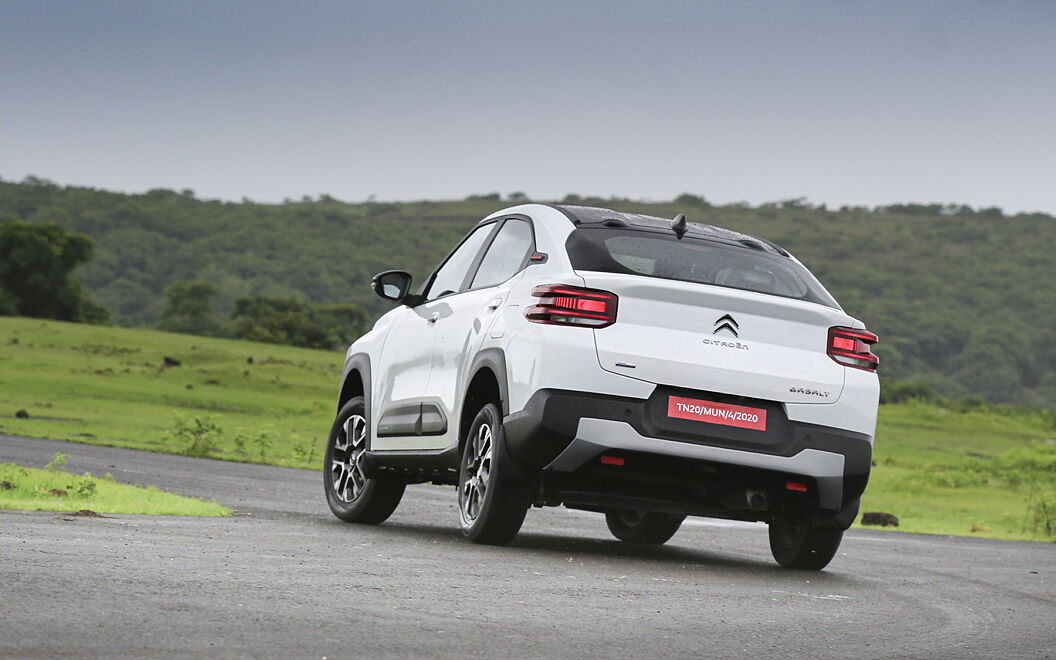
(693, 260)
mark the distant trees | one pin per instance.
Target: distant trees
(377, 209)
(574, 199)
(992, 212)
(489, 197)
(290, 321)
(275, 320)
(686, 199)
(958, 295)
(35, 265)
(187, 308)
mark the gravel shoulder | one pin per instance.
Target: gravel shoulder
(284, 578)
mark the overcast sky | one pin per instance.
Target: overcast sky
(841, 102)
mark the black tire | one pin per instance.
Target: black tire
(796, 541)
(641, 526)
(351, 496)
(491, 505)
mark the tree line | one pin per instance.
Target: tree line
(961, 298)
(36, 261)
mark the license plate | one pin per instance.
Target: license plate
(716, 413)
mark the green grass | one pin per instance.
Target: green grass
(978, 473)
(26, 489)
(940, 471)
(108, 386)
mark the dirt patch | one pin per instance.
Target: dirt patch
(104, 349)
(880, 519)
(86, 513)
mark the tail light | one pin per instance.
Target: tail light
(572, 305)
(850, 348)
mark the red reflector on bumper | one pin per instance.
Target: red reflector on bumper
(798, 487)
(612, 460)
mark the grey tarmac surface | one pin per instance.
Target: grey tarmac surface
(283, 578)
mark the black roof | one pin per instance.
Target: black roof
(592, 215)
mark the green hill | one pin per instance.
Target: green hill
(962, 299)
(988, 471)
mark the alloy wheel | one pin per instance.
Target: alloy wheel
(478, 472)
(346, 471)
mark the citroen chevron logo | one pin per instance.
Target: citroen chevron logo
(726, 323)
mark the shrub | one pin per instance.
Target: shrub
(894, 391)
(199, 436)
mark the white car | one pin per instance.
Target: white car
(643, 368)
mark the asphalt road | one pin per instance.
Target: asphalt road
(285, 578)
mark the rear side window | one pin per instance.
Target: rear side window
(507, 254)
(449, 278)
(693, 260)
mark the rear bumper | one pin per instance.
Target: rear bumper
(564, 431)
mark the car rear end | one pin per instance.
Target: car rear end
(761, 386)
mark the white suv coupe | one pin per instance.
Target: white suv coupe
(643, 368)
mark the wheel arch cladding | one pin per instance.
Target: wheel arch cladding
(487, 384)
(352, 387)
(356, 383)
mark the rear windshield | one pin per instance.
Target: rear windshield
(692, 259)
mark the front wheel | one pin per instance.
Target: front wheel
(642, 527)
(491, 505)
(797, 542)
(351, 495)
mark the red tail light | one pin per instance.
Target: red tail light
(850, 348)
(572, 305)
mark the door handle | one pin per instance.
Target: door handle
(494, 303)
(433, 317)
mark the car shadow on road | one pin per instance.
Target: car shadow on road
(669, 554)
(560, 548)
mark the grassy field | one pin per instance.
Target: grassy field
(983, 472)
(227, 399)
(978, 472)
(26, 489)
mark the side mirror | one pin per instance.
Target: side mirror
(392, 285)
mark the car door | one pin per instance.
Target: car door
(465, 319)
(402, 373)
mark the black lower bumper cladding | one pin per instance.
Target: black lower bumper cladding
(536, 435)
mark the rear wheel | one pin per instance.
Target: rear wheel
(642, 527)
(351, 495)
(796, 541)
(491, 505)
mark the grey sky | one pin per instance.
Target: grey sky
(841, 102)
